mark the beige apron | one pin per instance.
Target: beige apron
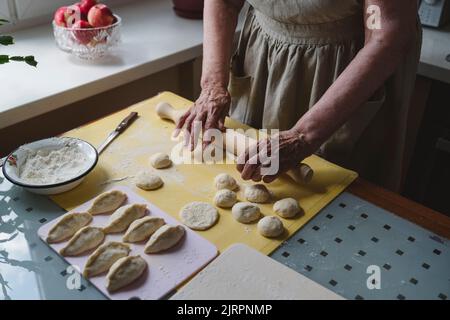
(289, 54)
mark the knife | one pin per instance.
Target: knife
(120, 128)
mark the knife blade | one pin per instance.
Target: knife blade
(123, 125)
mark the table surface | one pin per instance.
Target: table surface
(30, 270)
(353, 241)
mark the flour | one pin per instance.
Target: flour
(44, 167)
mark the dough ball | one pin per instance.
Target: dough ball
(160, 161)
(287, 208)
(246, 212)
(270, 227)
(225, 181)
(199, 215)
(257, 193)
(148, 181)
(225, 198)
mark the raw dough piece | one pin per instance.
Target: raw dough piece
(160, 161)
(143, 228)
(104, 257)
(257, 193)
(270, 227)
(246, 212)
(107, 202)
(148, 181)
(125, 271)
(68, 226)
(124, 216)
(287, 208)
(85, 239)
(164, 238)
(199, 215)
(225, 198)
(225, 181)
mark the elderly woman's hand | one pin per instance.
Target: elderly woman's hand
(290, 150)
(210, 110)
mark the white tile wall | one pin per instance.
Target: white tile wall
(34, 8)
(4, 12)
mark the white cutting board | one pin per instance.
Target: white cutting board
(166, 270)
(242, 273)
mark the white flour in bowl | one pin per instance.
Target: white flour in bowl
(43, 167)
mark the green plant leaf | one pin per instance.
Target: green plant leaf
(3, 21)
(16, 58)
(4, 59)
(31, 61)
(28, 59)
(6, 40)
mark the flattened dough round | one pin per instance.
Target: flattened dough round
(257, 193)
(246, 212)
(199, 215)
(270, 227)
(148, 181)
(287, 208)
(225, 198)
(160, 161)
(225, 181)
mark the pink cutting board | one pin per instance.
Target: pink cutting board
(166, 270)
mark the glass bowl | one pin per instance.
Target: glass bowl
(88, 44)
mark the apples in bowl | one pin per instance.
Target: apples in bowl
(87, 29)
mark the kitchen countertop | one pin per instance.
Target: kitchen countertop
(61, 79)
(153, 39)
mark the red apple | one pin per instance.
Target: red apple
(60, 17)
(85, 6)
(100, 16)
(82, 33)
(73, 15)
(67, 16)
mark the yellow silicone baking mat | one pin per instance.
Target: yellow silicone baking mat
(129, 154)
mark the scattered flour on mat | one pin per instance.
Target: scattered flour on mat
(116, 180)
(43, 167)
(130, 160)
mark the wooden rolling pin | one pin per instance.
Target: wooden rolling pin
(302, 174)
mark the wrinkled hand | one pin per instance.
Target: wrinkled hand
(291, 150)
(210, 109)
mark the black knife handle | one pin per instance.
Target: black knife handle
(126, 122)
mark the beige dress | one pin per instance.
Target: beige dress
(289, 54)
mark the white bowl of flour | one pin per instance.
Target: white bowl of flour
(50, 166)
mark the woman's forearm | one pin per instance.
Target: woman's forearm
(383, 52)
(357, 83)
(220, 21)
